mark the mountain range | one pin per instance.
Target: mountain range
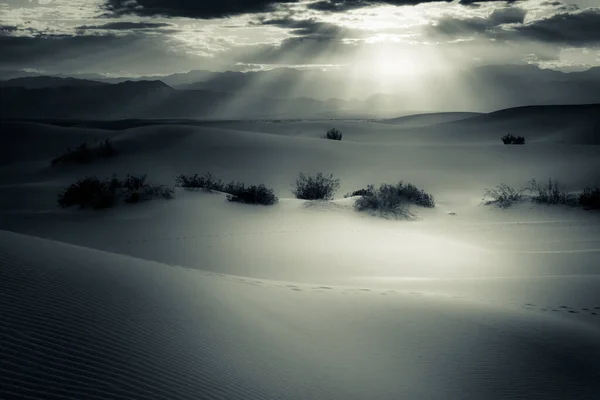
(287, 93)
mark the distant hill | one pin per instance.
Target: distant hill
(153, 99)
(573, 124)
(40, 82)
(418, 120)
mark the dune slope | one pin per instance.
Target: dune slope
(80, 323)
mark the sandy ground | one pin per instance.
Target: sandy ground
(197, 297)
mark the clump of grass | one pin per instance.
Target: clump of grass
(84, 154)
(590, 198)
(236, 191)
(99, 194)
(504, 195)
(393, 199)
(550, 193)
(106, 149)
(318, 187)
(136, 189)
(360, 192)
(333, 134)
(90, 192)
(206, 182)
(253, 194)
(510, 139)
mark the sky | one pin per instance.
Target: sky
(395, 38)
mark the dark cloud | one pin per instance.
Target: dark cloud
(206, 9)
(125, 26)
(578, 28)
(202, 9)
(575, 28)
(456, 27)
(307, 27)
(109, 53)
(345, 5)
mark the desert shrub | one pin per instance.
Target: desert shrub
(503, 195)
(81, 155)
(333, 134)
(238, 192)
(106, 149)
(361, 192)
(89, 192)
(393, 199)
(510, 139)
(590, 198)
(92, 192)
(317, 187)
(136, 189)
(206, 182)
(550, 193)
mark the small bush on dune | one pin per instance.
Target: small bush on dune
(97, 194)
(393, 199)
(83, 154)
(107, 149)
(519, 140)
(238, 192)
(80, 155)
(551, 193)
(510, 139)
(360, 192)
(504, 195)
(333, 134)
(90, 192)
(590, 198)
(206, 182)
(136, 189)
(317, 187)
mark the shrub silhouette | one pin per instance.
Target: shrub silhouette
(317, 187)
(590, 198)
(510, 139)
(503, 195)
(551, 193)
(333, 134)
(92, 192)
(238, 192)
(106, 149)
(360, 192)
(83, 154)
(393, 199)
(136, 189)
(206, 182)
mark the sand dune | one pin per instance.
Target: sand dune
(419, 120)
(197, 297)
(83, 323)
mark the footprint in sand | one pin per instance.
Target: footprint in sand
(573, 312)
(297, 289)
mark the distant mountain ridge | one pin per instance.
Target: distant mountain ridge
(290, 93)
